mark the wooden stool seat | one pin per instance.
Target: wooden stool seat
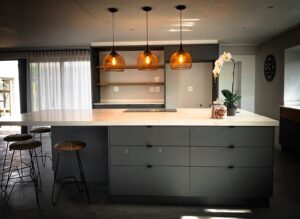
(69, 146)
(25, 145)
(40, 130)
(17, 137)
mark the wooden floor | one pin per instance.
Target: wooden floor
(284, 205)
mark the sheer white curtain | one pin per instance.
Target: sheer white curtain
(60, 80)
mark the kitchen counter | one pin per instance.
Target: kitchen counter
(117, 117)
(176, 157)
(291, 107)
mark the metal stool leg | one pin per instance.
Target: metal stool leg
(3, 168)
(34, 177)
(54, 200)
(82, 176)
(7, 181)
(39, 173)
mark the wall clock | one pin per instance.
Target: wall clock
(270, 67)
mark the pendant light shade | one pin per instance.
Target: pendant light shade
(147, 60)
(181, 60)
(113, 61)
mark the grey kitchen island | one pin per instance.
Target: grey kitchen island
(174, 157)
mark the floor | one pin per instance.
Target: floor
(285, 203)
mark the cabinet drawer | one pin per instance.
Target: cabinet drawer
(156, 155)
(237, 156)
(142, 135)
(238, 136)
(155, 181)
(226, 183)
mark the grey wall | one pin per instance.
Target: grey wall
(292, 78)
(199, 77)
(269, 95)
(239, 49)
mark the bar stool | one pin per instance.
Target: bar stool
(67, 147)
(9, 139)
(35, 177)
(39, 131)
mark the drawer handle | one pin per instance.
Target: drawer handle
(149, 126)
(231, 126)
(230, 166)
(149, 146)
(149, 166)
(231, 146)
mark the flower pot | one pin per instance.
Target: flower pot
(231, 109)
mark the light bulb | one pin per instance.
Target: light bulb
(180, 58)
(113, 61)
(147, 60)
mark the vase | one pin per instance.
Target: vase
(231, 109)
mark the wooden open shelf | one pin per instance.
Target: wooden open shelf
(4, 91)
(131, 67)
(129, 83)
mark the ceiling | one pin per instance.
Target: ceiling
(77, 23)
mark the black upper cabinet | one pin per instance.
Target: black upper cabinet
(199, 53)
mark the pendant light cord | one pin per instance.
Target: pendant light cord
(180, 27)
(147, 29)
(113, 30)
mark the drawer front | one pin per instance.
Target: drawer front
(156, 155)
(237, 156)
(238, 136)
(142, 135)
(156, 181)
(228, 183)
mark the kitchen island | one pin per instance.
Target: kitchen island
(177, 157)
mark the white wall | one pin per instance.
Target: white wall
(292, 77)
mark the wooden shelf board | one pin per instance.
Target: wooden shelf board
(4, 91)
(129, 83)
(131, 67)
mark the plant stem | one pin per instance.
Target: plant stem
(233, 75)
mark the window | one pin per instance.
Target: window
(60, 80)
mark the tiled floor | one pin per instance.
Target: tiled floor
(285, 203)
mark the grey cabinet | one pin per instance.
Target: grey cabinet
(143, 155)
(202, 162)
(230, 182)
(155, 181)
(148, 135)
(237, 136)
(231, 156)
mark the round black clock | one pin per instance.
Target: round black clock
(270, 67)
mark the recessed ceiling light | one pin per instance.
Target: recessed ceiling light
(183, 29)
(211, 210)
(187, 19)
(270, 6)
(184, 24)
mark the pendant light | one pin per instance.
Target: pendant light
(181, 59)
(147, 60)
(113, 61)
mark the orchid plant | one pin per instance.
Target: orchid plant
(225, 57)
(231, 98)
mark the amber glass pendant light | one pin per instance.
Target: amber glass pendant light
(147, 60)
(181, 60)
(113, 61)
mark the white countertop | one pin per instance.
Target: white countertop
(291, 107)
(117, 117)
